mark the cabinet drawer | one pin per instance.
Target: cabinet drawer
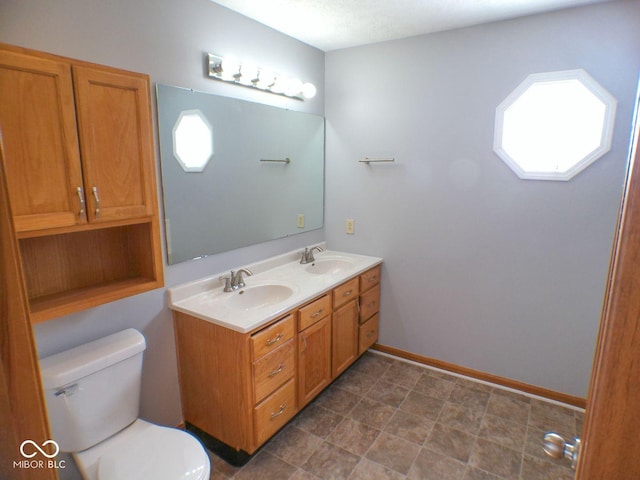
(369, 303)
(368, 334)
(272, 337)
(274, 411)
(313, 312)
(369, 278)
(345, 292)
(272, 370)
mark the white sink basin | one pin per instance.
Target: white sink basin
(258, 296)
(330, 266)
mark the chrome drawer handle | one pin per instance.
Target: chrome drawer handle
(347, 293)
(97, 198)
(373, 279)
(273, 373)
(81, 199)
(315, 314)
(271, 341)
(371, 304)
(283, 407)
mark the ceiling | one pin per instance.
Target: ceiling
(334, 24)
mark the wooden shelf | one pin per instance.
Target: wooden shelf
(73, 271)
(64, 303)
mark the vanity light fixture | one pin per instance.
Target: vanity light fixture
(228, 69)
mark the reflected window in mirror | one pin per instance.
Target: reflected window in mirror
(192, 141)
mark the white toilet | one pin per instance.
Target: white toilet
(92, 393)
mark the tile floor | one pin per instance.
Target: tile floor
(388, 419)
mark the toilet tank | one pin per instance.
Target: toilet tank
(93, 391)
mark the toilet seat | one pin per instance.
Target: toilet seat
(143, 451)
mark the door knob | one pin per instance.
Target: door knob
(555, 446)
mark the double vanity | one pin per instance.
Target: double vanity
(255, 348)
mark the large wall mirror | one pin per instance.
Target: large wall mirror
(236, 173)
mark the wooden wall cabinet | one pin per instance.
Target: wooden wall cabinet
(81, 175)
(239, 389)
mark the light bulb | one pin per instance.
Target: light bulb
(309, 90)
(265, 79)
(293, 87)
(278, 85)
(248, 74)
(230, 68)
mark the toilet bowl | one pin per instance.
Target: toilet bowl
(92, 394)
(145, 451)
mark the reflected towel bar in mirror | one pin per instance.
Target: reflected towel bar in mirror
(277, 160)
(369, 160)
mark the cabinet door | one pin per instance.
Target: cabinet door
(345, 337)
(38, 130)
(314, 360)
(116, 142)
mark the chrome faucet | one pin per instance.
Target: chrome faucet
(234, 280)
(307, 255)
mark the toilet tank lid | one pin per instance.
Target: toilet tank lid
(71, 365)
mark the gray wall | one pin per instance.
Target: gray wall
(165, 39)
(482, 269)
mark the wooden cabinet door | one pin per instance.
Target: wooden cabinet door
(345, 337)
(314, 360)
(116, 142)
(38, 129)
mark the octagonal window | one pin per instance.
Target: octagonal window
(192, 141)
(554, 125)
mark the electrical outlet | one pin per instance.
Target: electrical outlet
(350, 226)
(301, 220)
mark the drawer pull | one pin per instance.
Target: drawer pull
(370, 333)
(276, 339)
(315, 314)
(283, 407)
(347, 293)
(97, 199)
(371, 304)
(273, 373)
(81, 200)
(373, 278)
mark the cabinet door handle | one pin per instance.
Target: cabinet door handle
(347, 293)
(81, 200)
(315, 314)
(304, 341)
(283, 407)
(276, 339)
(97, 199)
(273, 373)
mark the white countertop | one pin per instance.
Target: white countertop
(205, 298)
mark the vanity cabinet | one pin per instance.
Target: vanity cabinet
(369, 307)
(272, 377)
(78, 143)
(238, 389)
(314, 349)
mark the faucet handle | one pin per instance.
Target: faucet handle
(227, 282)
(305, 256)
